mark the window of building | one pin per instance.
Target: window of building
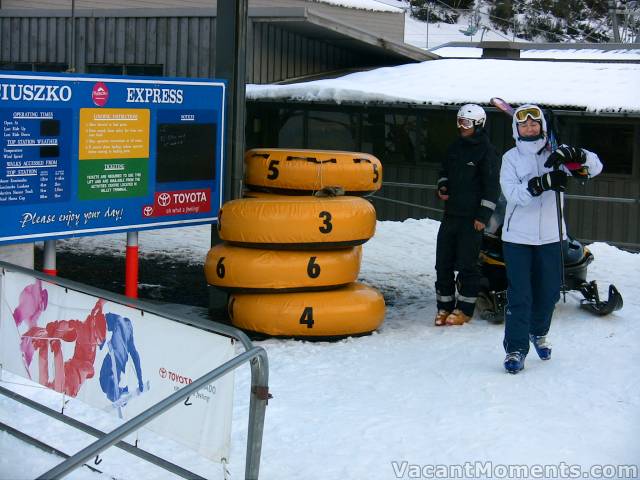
(613, 141)
(331, 130)
(291, 128)
(436, 130)
(119, 69)
(392, 137)
(144, 70)
(34, 66)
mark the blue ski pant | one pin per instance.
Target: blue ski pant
(534, 275)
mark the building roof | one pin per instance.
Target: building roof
(372, 32)
(373, 5)
(313, 24)
(591, 87)
(625, 52)
(370, 5)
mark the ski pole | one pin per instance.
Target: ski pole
(561, 233)
(553, 143)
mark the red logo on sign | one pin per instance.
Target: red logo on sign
(100, 94)
(174, 376)
(181, 202)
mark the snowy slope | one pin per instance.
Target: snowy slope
(420, 394)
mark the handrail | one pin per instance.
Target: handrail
(127, 447)
(422, 186)
(149, 414)
(210, 326)
(259, 362)
(408, 204)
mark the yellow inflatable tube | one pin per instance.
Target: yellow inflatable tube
(291, 222)
(311, 170)
(353, 310)
(258, 270)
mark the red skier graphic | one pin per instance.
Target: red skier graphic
(87, 335)
(96, 331)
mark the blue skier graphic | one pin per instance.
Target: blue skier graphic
(121, 346)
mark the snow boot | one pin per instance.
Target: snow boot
(441, 317)
(457, 317)
(514, 362)
(543, 348)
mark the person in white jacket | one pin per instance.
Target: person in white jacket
(530, 176)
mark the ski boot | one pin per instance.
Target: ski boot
(457, 317)
(543, 348)
(441, 317)
(514, 362)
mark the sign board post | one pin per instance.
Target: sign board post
(83, 155)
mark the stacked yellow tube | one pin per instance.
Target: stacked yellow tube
(291, 261)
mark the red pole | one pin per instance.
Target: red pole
(49, 262)
(131, 266)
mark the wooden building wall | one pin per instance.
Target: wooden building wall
(389, 25)
(183, 46)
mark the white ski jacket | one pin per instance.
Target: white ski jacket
(532, 220)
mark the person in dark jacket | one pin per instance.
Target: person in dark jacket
(470, 188)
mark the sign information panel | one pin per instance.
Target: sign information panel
(84, 155)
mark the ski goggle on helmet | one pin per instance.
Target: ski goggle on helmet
(470, 115)
(532, 112)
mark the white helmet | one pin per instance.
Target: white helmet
(472, 112)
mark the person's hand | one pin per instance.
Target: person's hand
(555, 180)
(443, 189)
(478, 225)
(571, 157)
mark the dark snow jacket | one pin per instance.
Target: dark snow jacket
(470, 171)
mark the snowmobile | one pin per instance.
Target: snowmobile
(577, 257)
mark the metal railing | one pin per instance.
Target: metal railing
(422, 186)
(256, 356)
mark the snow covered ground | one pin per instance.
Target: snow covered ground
(412, 396)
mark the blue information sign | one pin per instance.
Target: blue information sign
(83, 155)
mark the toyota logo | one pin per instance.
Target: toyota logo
(164, 199)
(163, 372)
(147, 211)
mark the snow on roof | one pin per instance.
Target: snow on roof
(594, 87)
(585, 54)
(363, 5)
(630, 54)
(556, 54)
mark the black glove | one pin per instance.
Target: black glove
(556, 180)
(572, 157)
(443, 186)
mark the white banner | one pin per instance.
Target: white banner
(117, 358)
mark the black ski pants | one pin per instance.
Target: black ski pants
(458, 249)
